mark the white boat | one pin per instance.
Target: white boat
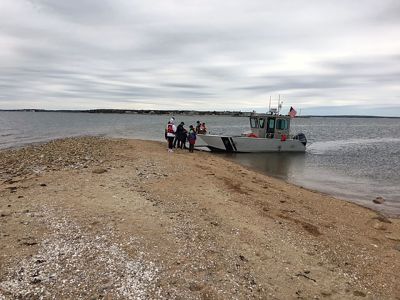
(269, 133)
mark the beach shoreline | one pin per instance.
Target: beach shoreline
(190, 225)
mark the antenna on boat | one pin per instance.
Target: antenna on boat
(279, 104)
(269, 108)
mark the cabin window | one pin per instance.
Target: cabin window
(282, 124)
(271, 125)
(261, 122)
(253, 122)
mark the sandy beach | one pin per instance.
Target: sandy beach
(94, 218)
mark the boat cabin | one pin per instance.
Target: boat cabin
(272, 126)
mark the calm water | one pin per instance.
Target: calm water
(353, 158)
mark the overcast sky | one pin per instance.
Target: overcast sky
(321, 56)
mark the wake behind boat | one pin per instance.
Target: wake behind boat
(269, 133)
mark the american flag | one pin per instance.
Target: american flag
(292, 112)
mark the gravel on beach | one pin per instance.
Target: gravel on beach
(95, 218)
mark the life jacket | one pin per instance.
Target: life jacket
(252, 135)
(192, 135)
(170, 128)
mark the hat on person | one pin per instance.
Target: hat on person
(198, 122)
(172, 120)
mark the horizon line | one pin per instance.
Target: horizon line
(166, 111)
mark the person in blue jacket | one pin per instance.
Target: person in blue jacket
(192, 138)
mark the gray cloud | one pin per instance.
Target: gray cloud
(83, 11)
(192, 55)
(343, 74)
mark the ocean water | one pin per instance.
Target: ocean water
(352, 158)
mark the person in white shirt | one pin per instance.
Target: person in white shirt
(170, 133)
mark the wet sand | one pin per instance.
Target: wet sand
(94, 218)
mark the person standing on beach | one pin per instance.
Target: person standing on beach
(170, 133)
(180, 136)
(192, 138)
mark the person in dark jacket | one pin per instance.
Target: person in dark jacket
(181, 135)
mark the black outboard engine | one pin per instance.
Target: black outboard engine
(301, 137)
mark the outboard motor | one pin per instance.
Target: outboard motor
(301, 137)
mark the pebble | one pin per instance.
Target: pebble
(4, 213)
(99, 171)
(242, 258)
(28, 241)
(383, 219)
(106, 286)
(393, 237)
(195, 287)
(326, 293)
(359, 294)
(35, 280)
(378, 200)
(379, 226)
(13, 189)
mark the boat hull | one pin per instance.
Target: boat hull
(223, 143)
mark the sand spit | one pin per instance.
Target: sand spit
(92, 218)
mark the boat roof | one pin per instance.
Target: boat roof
(264, 115)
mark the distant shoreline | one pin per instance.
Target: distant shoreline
(184, 112)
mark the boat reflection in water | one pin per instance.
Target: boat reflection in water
(297, 168)
(283, 165)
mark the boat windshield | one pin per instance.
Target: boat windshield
(253, 122)
(271, 125)
(282, 124)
